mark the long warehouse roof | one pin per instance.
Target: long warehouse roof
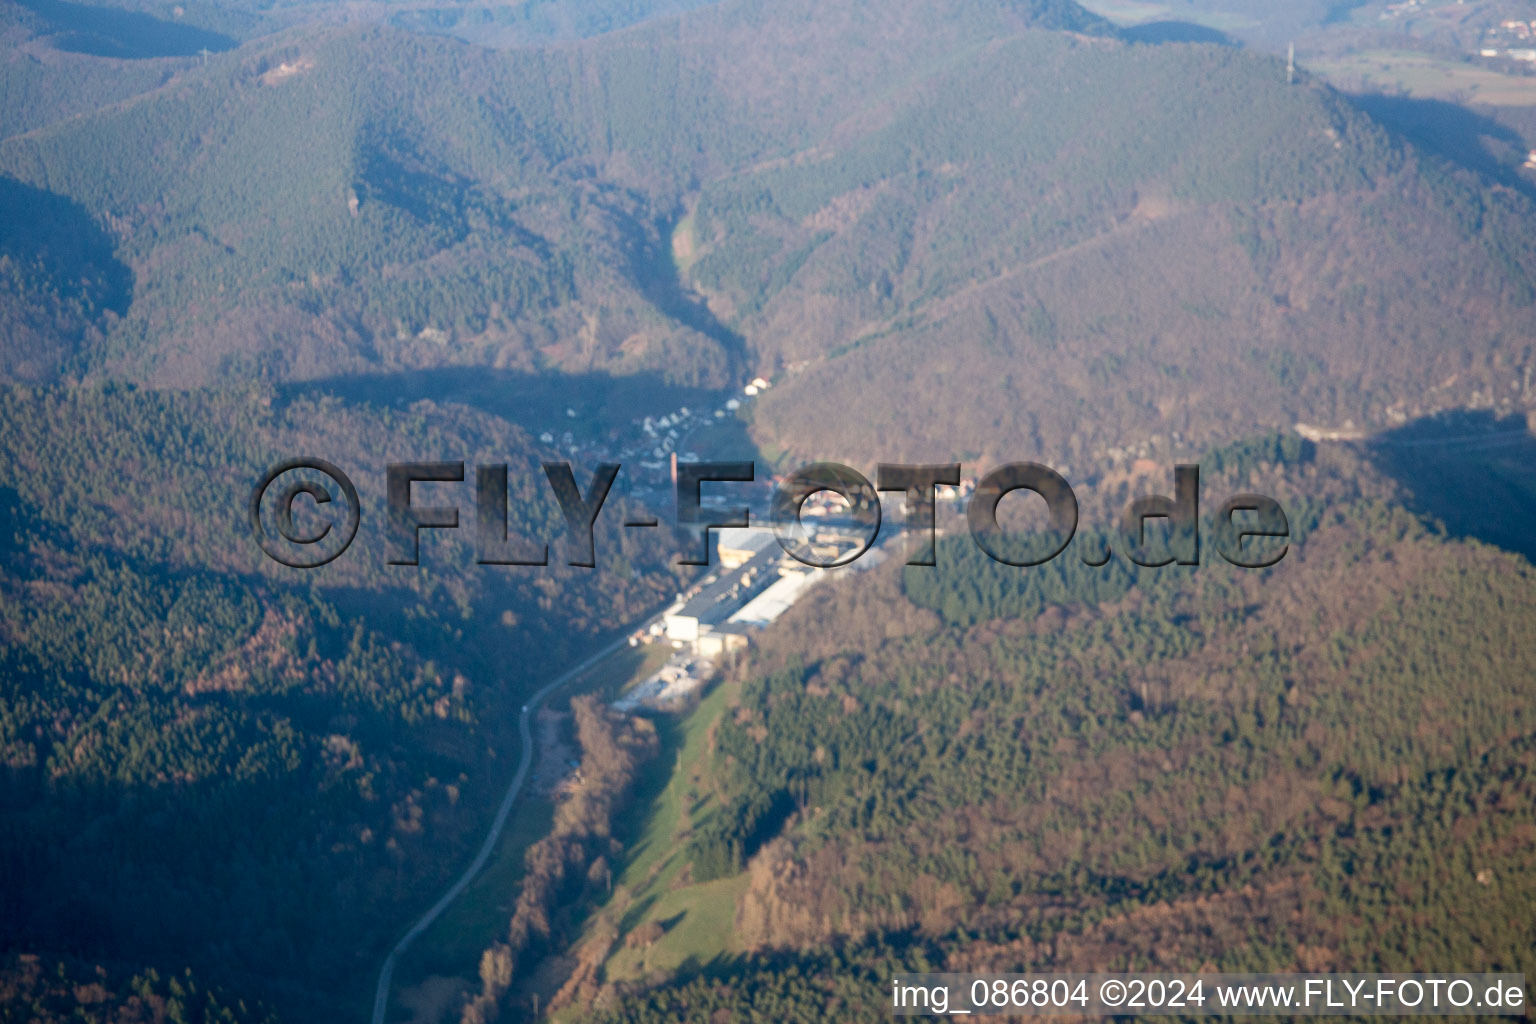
(775, 601)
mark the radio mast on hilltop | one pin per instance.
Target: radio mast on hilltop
(1290, 66)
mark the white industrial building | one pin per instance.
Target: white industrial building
(775, 601)
(718, 600)
(736, 545)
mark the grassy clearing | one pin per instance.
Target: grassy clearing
(621, 671)
(1129, 12)
(724, 438)
(696, 919)
(669, 814)
(685, 245)
(1426, 77)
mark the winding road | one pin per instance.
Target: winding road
(525, 739)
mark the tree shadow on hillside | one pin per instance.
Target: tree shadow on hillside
(1176, 32)
(603, 403)
(1472, 471)
(1339, 13)
(130, 872)
(1457, 133)
(130, 35)
(52, 236)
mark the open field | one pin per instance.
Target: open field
(1425, 77)
(696, 918)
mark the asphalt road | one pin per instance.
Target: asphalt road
(525, 738)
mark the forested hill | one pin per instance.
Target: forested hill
(216, 764)
(1328, 766)
(1115, 242)
(355, 199)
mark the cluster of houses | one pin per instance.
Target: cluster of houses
(657, 444)
(1512, 31)
(1519, 29)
